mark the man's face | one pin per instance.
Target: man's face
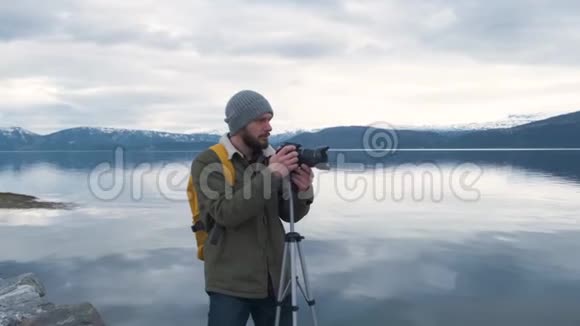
(256, 133)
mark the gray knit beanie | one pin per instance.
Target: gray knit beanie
(244, 107)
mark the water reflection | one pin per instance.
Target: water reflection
(565, 164)
(479, 282)
(507, 258)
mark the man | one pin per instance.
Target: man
(244, 257)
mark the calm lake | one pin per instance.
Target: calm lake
(477, 239)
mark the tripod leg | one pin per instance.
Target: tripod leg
(309, 297)
(281, 288)
(294, 281)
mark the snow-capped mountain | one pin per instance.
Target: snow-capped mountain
(132, 134)
(510, 121)
(286, 135)
(105, 138)
(555, 132)
(16, 132)
(515, 130)
(86, 138)
(16, 137)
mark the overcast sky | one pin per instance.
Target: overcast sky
(172, 65)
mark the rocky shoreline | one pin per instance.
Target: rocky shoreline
(10, 200)
(22, 303)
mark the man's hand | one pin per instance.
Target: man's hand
(302, 177)
(284, 162)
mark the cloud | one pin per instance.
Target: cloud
(519, 31)
(30, 19)
(245, 29)
(514, 30)
(149, 65)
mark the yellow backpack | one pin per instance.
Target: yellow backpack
(197, 227)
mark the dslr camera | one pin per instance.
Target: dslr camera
(317, 158)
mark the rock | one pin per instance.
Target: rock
(20, 201)
(22, 303)
(71, 315)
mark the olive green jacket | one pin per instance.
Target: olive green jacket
(246, 235)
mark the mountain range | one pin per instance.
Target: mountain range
(558, 131)
(555, 132)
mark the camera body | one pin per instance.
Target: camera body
(317, 157)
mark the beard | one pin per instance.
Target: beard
(253, 142)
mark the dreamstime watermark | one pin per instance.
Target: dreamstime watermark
(417, 182)
(350, 181)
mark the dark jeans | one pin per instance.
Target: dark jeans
(226, 310)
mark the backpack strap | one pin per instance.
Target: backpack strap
(198, 226)
(228, 167)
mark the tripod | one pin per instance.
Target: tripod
(292, 246)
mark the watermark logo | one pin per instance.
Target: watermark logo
(380, 139)
(115, 172)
